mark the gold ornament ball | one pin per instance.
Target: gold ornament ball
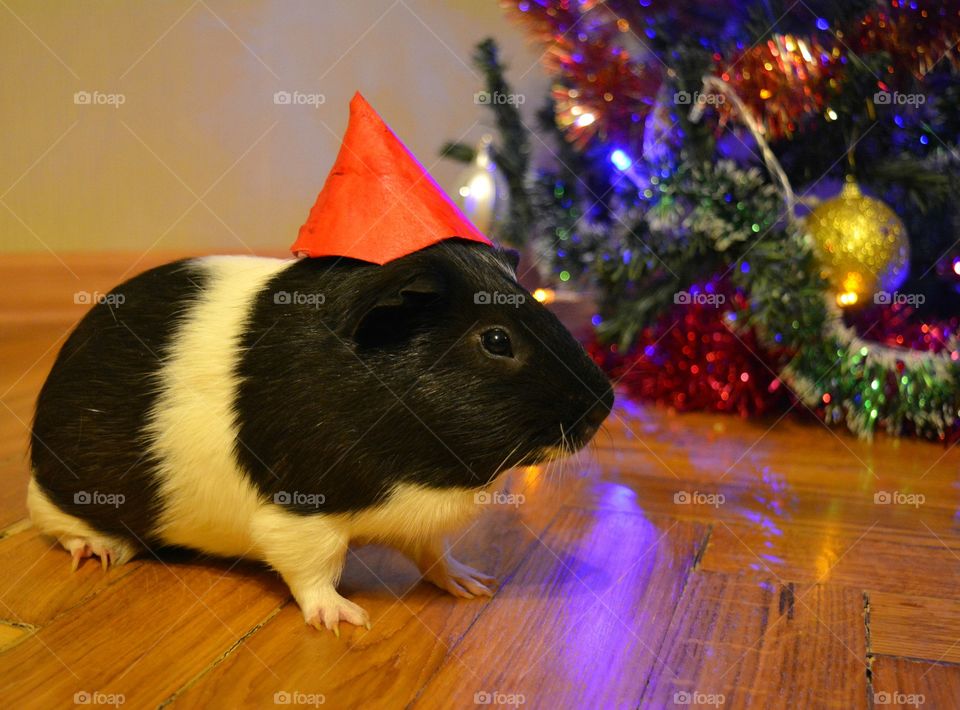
(862, 245)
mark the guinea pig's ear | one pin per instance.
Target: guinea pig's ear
(402, 304)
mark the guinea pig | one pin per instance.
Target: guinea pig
(279, 409)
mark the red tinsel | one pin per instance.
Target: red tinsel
(916, 34)
(896, 325)
(782, 80)
(690, 360)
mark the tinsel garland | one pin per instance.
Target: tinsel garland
(866, 384)
(709, 219)
(694, 358)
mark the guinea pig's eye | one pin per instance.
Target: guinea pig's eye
(496, 341)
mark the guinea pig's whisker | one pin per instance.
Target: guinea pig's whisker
(605, 430)
(507, 458)
(578, 457)
(562, 460)
(557, 469)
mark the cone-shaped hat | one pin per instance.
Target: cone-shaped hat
(378, 202)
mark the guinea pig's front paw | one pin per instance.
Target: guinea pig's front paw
(459, 579)
(328, 609)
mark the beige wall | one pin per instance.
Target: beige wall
(199, 156)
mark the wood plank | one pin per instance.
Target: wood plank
(14, 473)
(592, 584)
(884, 560)
(770, 499)
(915, 626)
(414, 626)
(902, 683)
(12, 634)
(142, 637)
(739, 641)
(890, 465)
(39, 585)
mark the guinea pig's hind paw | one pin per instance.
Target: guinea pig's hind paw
(80, 549)
(330, 609)
(460, 580)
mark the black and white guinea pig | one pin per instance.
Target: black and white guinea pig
(280, 409)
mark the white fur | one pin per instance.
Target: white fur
(207, 501)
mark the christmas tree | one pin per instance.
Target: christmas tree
(760, 194)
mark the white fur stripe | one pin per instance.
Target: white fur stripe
(208, 501)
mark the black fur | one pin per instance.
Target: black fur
(88, 440)
(385, 381)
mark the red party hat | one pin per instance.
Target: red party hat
(378, 202)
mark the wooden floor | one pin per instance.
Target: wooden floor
(691, 560)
